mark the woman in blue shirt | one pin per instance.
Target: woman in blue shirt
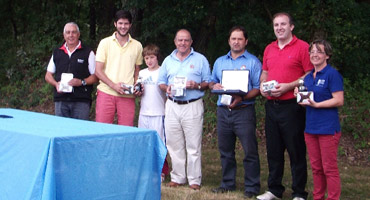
(322, 130)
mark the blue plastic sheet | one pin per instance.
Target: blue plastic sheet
(48, 157)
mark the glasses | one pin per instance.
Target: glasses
(317, 52)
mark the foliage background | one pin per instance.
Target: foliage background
(31, 29)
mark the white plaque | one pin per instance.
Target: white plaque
(63, 85)
(234, 82)
(178, 89)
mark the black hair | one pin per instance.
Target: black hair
(123, 14)
(238, 28)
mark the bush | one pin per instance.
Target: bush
(356, 110)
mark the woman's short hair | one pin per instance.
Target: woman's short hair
(327, 46)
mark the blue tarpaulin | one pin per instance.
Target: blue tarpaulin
(48, 157)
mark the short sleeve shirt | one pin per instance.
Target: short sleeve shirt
(194, 67)
(51, 66)
(119, 61)
(246, 61)
(323, 120)
(153, 100)
(287, 64)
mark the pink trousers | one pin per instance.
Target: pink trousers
(107, 106)
(322, 151)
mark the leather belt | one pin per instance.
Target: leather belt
(236, 107)
(239, 107)
(281, 102)
(182, 102)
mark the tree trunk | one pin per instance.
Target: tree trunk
(92, 20)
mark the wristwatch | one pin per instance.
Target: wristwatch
(199, 86)
(83, 82)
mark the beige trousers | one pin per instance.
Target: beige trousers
(183, 127)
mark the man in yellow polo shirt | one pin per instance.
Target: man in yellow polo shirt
(118, 60)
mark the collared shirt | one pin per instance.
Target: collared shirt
(51, 65)
(246, 61)
(194, 67)
(119, 61)
(287, 64)
(323, 120)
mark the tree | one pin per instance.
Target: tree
(30, 29)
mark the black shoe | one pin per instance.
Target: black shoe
(249, 194)
(221, 190)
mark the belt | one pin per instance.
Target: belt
(182, 102)
(236, 107)
(281, 102)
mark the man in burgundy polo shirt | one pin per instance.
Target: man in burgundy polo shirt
(285, 61)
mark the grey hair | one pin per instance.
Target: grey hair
(71, 23)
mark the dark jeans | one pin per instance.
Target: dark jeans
(77, 110)
(242, 124)
(284, 128)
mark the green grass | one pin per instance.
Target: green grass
(355, 180)
(35, 95)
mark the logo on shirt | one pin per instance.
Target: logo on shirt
(80, 61)
(191, 66)
(320, 83)
(149, 81)
(243, 67)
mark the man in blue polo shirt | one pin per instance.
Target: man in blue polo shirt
(184, 109)
(239, 118)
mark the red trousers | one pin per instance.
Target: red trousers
(108, 105)
(322, 151)
(166, 168)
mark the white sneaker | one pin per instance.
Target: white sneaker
(298, 198)
(267, 196)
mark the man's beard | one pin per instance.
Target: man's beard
(122, 35)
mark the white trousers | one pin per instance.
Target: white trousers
(183, 126)
(153, 122)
